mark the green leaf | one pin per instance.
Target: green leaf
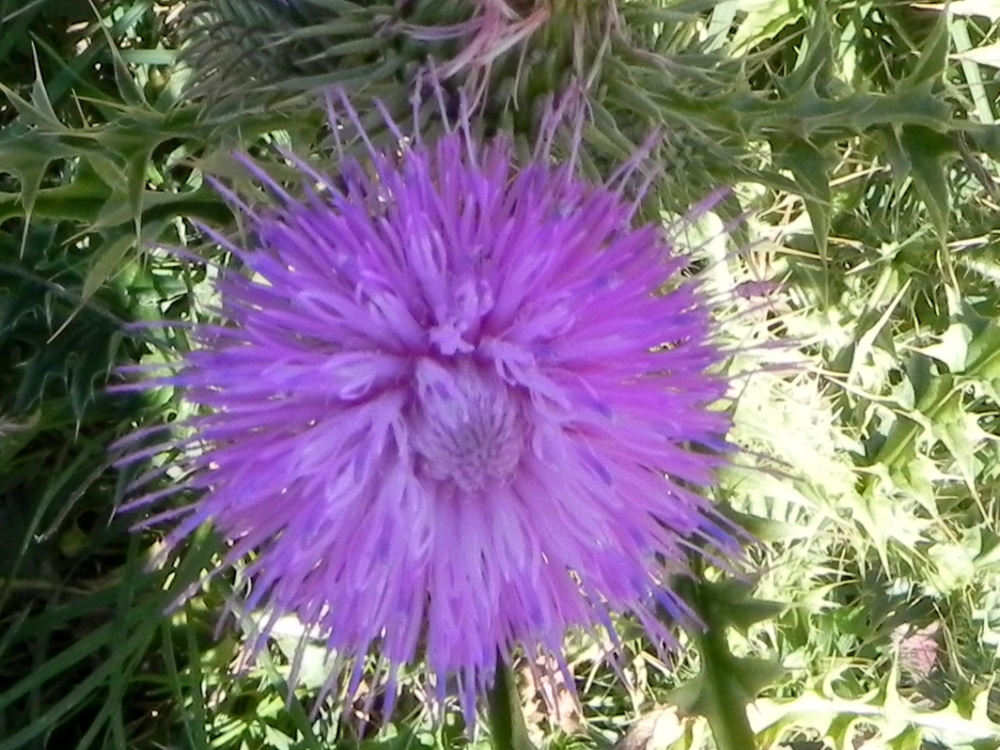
(39, 114)
(732, 604)
(815, 64)
(106, 262)
(811, 169)
(933, 59)
(40, 97)
(952, 348)
(983, 358)
(960, 433)
(131, 93)
(925, 150)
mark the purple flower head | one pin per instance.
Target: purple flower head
(455, 406)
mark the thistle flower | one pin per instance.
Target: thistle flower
(457, 406)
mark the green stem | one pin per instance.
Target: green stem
(726, 702)
(723, 699)
(507, 728)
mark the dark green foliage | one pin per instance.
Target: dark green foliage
(253, 53)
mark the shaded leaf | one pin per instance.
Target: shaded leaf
(811, 169)
(925, 150)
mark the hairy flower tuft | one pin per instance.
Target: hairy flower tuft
(454, 406)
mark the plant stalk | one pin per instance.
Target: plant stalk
(507, 728)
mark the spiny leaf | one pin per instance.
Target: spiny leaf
(925, 150)
(104, 265)
(961, 434)
(39, 114)
(933, 59)
(983, 359)
(815, 64)
(952, 348)
(40, 97)
(811, 169)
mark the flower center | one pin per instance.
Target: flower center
(470, 430)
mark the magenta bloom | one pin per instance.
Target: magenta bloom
(452, 410)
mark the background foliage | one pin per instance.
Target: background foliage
(859, 137)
